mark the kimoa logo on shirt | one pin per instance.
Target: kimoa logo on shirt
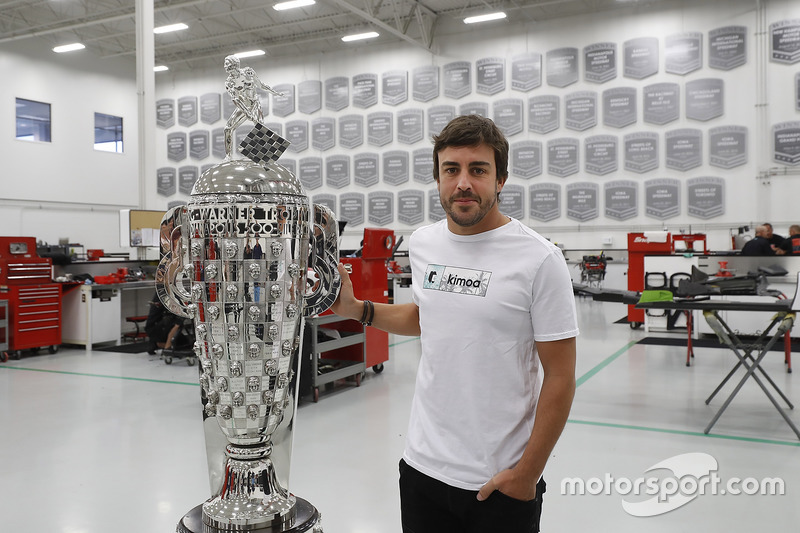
(455, 279)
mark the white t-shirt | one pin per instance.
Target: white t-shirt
(483, 301)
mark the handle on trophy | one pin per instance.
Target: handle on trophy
(171, 274)
(324, 257)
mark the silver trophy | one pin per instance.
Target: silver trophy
(247, 259)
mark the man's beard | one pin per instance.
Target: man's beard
(470, 218)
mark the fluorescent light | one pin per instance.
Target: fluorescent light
(68, 48)
(484, 18)
(251, 53)
(160, 68)
(170, 27)
(360, 36)
(293, 4)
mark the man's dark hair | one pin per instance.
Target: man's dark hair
(472, 130)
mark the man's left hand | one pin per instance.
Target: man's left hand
(511, 485)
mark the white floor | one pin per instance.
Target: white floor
(98, 442)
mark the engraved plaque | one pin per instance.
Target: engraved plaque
(705, 99)
(283, 106)
(508, 115)
(166, 181)
(410, 125)
(199, 144)
(562, 67)
(474, 108)
(641, 152)
(365, 90)
(786, 142)
(582, 201)
(297, 134)
(411, 207)
(423, 165)
(580, 110)
(683, 52)
(395, 87)
(425, 83)
(525, 159)
(328, 200)
(545, 201)
(797, 92)
(337, 171)
(562, 156)
(601, 154)
(351, 131)
(186, 177)
(176, 146)
(310, 172)
(512, 200)
(395, 167)
(435, 209)
(438, 117)
(337, 95)
(640, 57)
(351, 208)
(379, 128)
(490, 74)
(543, 116)
(727, 47)
(621, 199)
(165, 113)
(683, 149)
(218, 142)
(187, 110)
(785, 41)
(309, 96)
(526, 71)
(210, 108)
(727, 146)
(600, 62)
(457, 79)
(323, 133)
(365, 169)
(705, 197)
(380, 207)
(619, 107)
(662, 198)
(661, 103)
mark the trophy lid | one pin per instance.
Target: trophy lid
(248, 177)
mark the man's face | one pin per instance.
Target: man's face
(468, 187)
(768, 232)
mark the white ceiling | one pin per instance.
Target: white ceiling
(219, 28)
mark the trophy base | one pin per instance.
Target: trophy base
(307, 518)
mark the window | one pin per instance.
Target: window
(33, 120)
(107, 133)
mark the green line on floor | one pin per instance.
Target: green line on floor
(412, 339)
(689, 433)
(100, 376)
(604, 363)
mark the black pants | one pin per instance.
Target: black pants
(430, 506)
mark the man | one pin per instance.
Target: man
(791, 245)
(494, 309)
(774, 240)
(758, 245)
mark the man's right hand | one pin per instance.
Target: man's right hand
(346, 304)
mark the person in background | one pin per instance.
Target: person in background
(759, 245)
(774, 240)
(494, 308)
(791, 244)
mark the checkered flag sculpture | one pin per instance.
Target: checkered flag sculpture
(263, 145)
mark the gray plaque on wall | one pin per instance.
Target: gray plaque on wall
(379, 128)
(525, 159)
(474, 108)
(165, 113)
(351, 131)
(797, 92)
(619, 107)
(727, 47)
(425, 83)
(786, 142)
(309, 96)
(423, 165)
(395, 87)
(310, 172)
(490, 75)
(683, 149)
(328, 200)
(641, 57)
(562, 156)
(187, 110)
(545, 201)
(199, 144)
(457, 79)
(512, 200)
(580, 110)
(661, 103)
(395, 167)
(210, 108)
(438, 117)
(683, 52)
(337, 171)
(283, 106)
(601, 154)
(508, 115)
(435, 209)
(705, 99)
(526, 71)
(705, 197)
(621, 199)
(410, 125)
(411, 207)
(727, 146)
(543, 113)
(289, 164)
(297, 134)
(218, 142)
(641, 151)
(600, 62)
(582, 201)
(187, 176)
(562, 67)
(365, 169)
(785, 41)
(351, 208)
(662, 198)
(166, 181)
(365, 90)
(323, 133)
(380, 207)
(176, 146)
(337, 93)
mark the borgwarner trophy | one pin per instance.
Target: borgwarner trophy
(247, 259)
